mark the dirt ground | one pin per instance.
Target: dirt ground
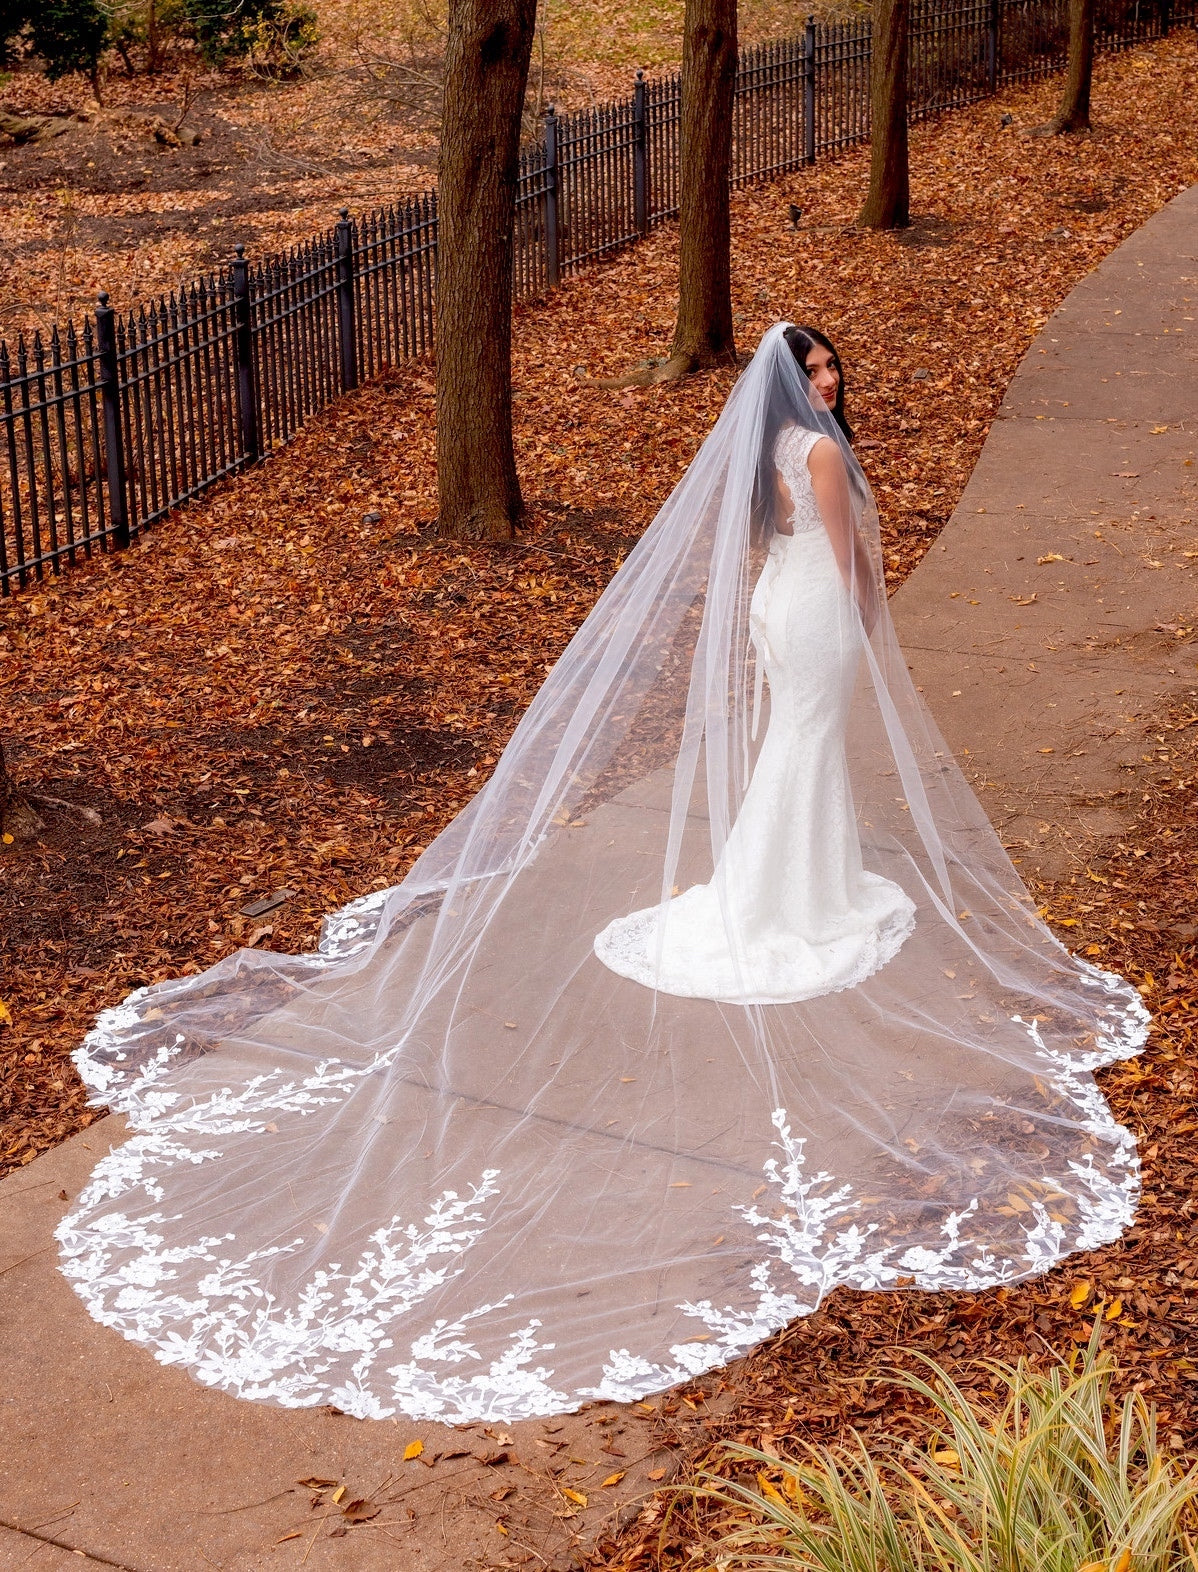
(104, 205)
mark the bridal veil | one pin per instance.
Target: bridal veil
(453, 1165)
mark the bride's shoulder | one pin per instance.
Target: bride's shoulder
(795, 442)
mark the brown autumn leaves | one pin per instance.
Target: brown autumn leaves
(270, 693)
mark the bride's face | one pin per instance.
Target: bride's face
(824, 373)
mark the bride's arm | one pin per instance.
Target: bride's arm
(830, 484)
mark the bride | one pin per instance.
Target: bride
(720, 993)
(789, 912)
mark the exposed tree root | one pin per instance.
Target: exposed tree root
(647, 372)
(1062, 126)
(60, 805)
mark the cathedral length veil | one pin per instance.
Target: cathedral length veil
(452, 1165)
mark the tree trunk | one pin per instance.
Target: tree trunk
(18, 821)
(153, 58)
(1074, 113)
(486, 72)
(888, 204)
(703, 332)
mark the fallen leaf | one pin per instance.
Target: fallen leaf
(413, 1449)
(769, 1490)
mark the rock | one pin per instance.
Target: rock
(372, 518)
(189, 136)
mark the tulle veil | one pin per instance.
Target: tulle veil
(450, 1165)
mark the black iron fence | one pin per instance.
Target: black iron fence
(105, 428)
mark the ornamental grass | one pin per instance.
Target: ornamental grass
(1046, 1471)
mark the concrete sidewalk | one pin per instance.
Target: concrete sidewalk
(1043, 629)
(1049, 620)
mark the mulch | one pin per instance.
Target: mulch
(824, 1380)
(276, 691)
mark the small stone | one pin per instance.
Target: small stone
(372, 518)
(921, 375)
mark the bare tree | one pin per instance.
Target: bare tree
(703, 333)
(487, 58)
(18, 819)
(1074, 113)
(888, 203)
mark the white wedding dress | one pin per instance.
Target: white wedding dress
(789, 913)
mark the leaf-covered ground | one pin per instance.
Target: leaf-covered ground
(105, 205)
(271, 692)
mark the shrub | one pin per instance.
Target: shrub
(69, 35)
(273, 34)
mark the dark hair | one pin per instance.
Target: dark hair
(802, 341)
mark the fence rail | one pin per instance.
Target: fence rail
(107, 427)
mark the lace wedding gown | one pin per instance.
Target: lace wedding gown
(789, 913)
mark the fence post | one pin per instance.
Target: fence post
(345, 303)
(552, 253)
(114, 430)
(640, 162)
(993, 23)
(247, 395)
(809, 91)
(1167, 17)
